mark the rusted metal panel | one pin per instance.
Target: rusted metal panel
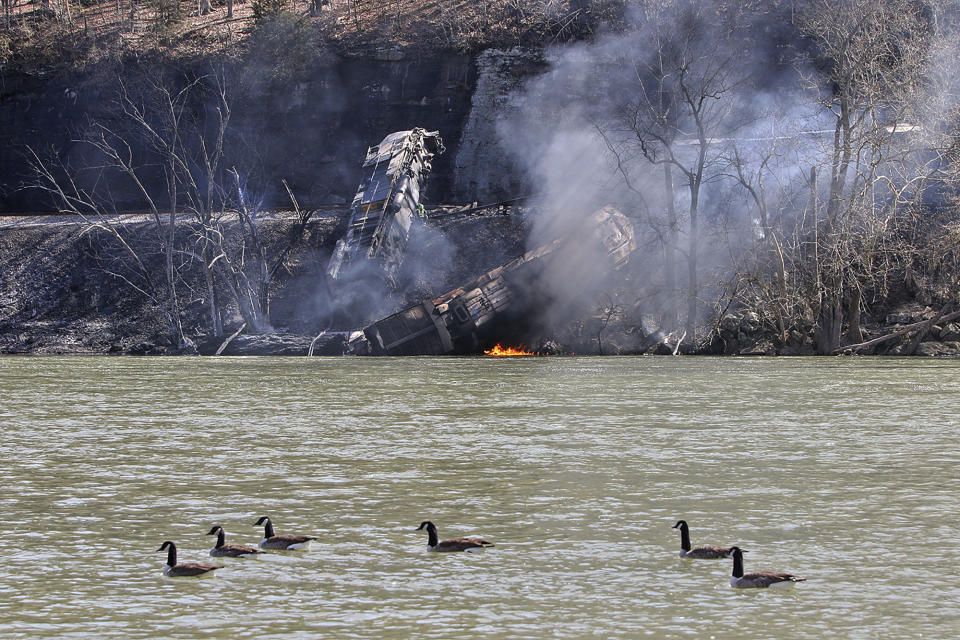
(386, 202)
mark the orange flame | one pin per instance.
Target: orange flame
(507, 352)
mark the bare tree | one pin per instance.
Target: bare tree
(753, 166)
(203, 217)
(69, 197)
(241, 257)
(824, 260)
(7, 13)
(608, 309)
(679, 110)
(874, 53)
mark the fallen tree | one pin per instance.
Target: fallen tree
(921, 326)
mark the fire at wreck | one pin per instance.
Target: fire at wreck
(488, 309)
(465, 319)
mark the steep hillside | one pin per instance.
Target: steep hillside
(57, 32)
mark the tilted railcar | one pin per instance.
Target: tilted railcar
(387, 200)
(461, 320)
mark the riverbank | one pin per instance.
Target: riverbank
(65, 287)
(62, 292)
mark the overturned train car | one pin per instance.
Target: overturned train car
(387, 200)
(462, 320)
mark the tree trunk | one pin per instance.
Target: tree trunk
(229, 9)
(671, 314)
(252, 313)
(205, 7)
(172, 300)
(911, 348)
(830, 319)
(693, 281)
(216, 322)
(815, 211)
(902, 331)
(854, 334)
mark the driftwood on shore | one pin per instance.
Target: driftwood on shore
(921, 326)
(227, 342)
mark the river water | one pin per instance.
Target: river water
(845, 471)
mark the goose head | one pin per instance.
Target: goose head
(262, 520)
(215, 530)
(167, 545)
(681, 524)
(426, 524)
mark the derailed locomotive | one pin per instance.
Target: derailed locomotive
(463, 320)
(387, 200)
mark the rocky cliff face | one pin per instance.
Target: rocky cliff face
(311, 129)
(485, 171)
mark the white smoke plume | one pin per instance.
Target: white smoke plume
(575, 129)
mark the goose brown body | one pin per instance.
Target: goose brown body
(453, 544)
(760, 579)
(282, 542)
(229, 550)
(175, 570)
(705, 552)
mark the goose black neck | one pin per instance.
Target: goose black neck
(737, 564)
(684, 538)
(172, 555)
(432, 532)
(221, 538)
(268, 529)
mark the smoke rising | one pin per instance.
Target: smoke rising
(729, 96)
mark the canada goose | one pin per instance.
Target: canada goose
(755, 580)
(706, 552)
(229, 550)
(175, 570)
(454, 544)
(284, 542)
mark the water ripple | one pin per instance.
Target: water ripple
(842, 470)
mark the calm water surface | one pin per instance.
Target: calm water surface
(846, 471)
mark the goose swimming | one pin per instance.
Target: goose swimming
(229, 550)
(454, 544)
(706, 552)
(285, 542)
(760, 579)
(175, 570)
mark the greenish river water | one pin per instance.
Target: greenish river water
(845, 471)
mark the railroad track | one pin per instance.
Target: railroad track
(439, 213)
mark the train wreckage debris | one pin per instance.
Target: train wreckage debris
(464, 320)
(387, 201)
